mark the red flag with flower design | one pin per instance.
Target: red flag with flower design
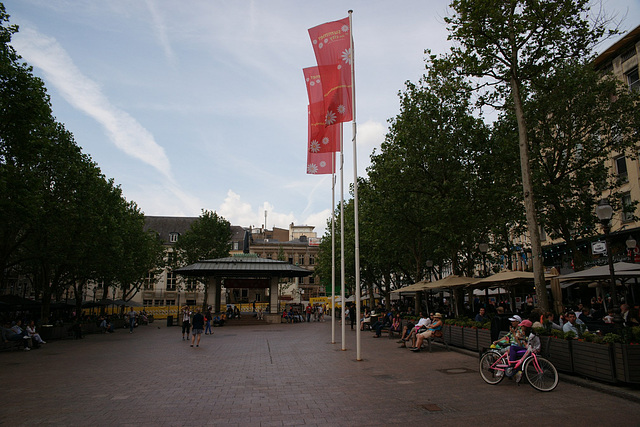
(333, 105)
(332, 46)
(322, 139)
(320, 163)
(313, 84)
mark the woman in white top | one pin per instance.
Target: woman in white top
(31, 330)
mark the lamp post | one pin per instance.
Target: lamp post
(631, 246)
(430, 296)
(604, 211)
(484, 248)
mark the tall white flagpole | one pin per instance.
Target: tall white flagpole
(342, 271)
(333, 248)
(355, 187)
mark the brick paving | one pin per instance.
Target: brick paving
(275, 375)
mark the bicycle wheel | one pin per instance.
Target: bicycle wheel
(543, 379)
(490, 375)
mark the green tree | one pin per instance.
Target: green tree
(582, 120)
(25, 123)
(511, 45)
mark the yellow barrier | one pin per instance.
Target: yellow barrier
(160, 312)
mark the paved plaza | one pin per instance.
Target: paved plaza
(276, 375)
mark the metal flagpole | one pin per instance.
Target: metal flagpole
(342, 272)
(355, 188)
(333, 248)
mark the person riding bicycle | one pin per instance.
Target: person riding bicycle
(513, 337)
(519, 345)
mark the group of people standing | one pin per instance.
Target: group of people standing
(196, 323)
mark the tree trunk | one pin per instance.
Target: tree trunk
(529, 201)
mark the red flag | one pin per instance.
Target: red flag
(333, 105)
(332, 47)
(337, 95)
(332, 44)
(322, 139)
(314, 85)
(320, 163)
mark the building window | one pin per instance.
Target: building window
(621, 168)
(633, 80)
(191, 285)
(158, 302)
(171, 258)
(300, 259)
(312, 260)
(269, 256)
(173, 237)
(171, 302)
(147, 302)
(235, 246)
(627, 208)
(312, 280)
(290, 260)
(149, 281)
(191, 302)
(171, 281)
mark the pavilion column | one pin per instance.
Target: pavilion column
(273, 295)
(216, 287)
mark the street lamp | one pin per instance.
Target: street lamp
(429, 267)
(484, 248)
(631, 246)
(604, 211)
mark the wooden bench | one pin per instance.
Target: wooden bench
(10, 345)
(439, 339)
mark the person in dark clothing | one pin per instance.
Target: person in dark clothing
(198, 327)
(496, 323)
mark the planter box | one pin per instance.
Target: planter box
(484, 339)
(593, 360)
(446, 333)
(470, 338)
(627, 361)
(559, 353)
(457, 337)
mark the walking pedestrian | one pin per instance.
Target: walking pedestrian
(186, 321)
(132, 319)
(207, 320)
(308, 311)
(198, 326)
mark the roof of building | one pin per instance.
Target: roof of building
(621, 44)
(243, 266)
(165, 225)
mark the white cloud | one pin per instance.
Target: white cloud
(84, 94)
(319, 220)
(237, 212)
(160, 30)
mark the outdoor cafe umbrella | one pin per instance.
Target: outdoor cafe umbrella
(419, 286)
(623, 272)
(507, 279)
(450, 282)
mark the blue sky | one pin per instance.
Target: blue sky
(202, 104)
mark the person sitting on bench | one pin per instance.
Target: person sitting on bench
(435, 327)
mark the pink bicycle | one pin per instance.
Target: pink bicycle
(541, 374)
